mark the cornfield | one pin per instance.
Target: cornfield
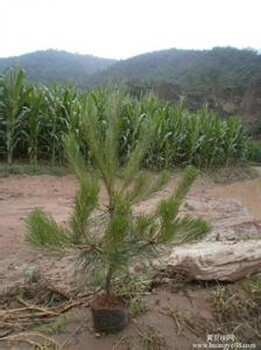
(35, 119)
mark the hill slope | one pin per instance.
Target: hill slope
(227, 79)
(191, 70)
(59, 66)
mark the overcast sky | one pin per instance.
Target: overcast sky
(124, 28)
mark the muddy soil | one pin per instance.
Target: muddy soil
(234, 210)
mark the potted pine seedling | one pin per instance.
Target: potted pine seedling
(123, 237)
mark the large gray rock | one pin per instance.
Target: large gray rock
(223, 261)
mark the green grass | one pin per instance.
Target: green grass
(27, 169)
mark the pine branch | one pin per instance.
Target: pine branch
(189, 229)
(144, 187)
(186, 182)
(133, 164)
(74, 156)
(43, 232)
(85, 202)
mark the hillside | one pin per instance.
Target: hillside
(191, 70)
(228, 79)
(57, 66)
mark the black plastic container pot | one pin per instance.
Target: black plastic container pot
(111, 317)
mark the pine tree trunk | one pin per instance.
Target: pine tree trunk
(108, 285)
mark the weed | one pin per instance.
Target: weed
(56, 327)
(25, 169)
(152, 340)
(138, 307)
(253, 285)
(255, 152)
(133, 285)
(238, 311)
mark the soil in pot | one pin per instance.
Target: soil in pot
(110, 314)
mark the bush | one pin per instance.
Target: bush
(255, 152)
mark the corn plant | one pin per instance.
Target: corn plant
(14, 94)
(34, 123)
(34, 120)
(56, 122)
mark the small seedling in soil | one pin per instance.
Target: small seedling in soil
(123, 237)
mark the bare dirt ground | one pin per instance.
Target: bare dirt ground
(233, 209)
